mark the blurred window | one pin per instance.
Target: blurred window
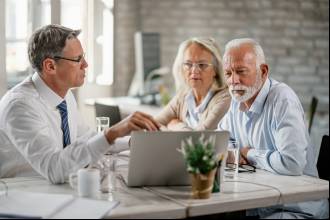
(94, 17)
(101, 41)
(22, 16)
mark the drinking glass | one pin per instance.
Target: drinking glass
(5, 187)
(232, 161)
(102, 123)
(107, 164)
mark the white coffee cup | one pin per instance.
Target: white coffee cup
(87, 181)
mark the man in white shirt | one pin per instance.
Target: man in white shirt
(41, 130)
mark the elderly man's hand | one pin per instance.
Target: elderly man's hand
(243, 152)
(136, 121)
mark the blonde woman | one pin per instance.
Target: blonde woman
(202, 97)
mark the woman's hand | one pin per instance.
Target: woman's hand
(172, 124)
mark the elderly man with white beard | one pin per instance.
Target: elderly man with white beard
(267, 121)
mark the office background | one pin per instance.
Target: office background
(293, 33)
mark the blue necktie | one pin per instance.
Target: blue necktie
(65, 125)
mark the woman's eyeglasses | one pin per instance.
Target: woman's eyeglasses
(199, 66)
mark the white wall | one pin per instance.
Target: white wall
(294, 35)
(89, 91)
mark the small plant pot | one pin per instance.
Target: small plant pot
(202, 185)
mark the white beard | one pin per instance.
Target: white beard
(249, 91)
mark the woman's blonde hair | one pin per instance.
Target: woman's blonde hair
(210, 45)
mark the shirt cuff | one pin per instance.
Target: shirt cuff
(258, 158)
(251, 157)
(97, 145)
(121, 144)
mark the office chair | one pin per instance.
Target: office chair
(311, 113)
(111, 111)
(323, 159)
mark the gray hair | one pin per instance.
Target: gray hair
(236, 43)
(210, 45)
(48, 42)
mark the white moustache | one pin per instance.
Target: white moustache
(238, 87)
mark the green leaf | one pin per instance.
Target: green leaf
(200, 155)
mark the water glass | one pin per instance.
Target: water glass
(109, 175)
(107, 164)
(102, 123)
(232, 160)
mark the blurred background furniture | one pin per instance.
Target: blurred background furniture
(111, 111)
(148, 71)
(311, 112)
(117, 108)
(323, 159)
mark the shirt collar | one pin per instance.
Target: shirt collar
(258, 104)
(45, 92)
(192, 104)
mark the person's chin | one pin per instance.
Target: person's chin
(237, 97)
(195, 84)
(80, 83)
(82, 80)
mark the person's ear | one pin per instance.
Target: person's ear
(49, 66)
(264, 70)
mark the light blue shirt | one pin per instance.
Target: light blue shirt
(274, 128)
(194, 112)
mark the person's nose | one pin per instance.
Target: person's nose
(234, 79)
(194, 69)
(84, 63)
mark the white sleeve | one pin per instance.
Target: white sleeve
(85, 133)
(33, 137)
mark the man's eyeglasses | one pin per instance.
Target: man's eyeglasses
(200, 66)
(243, 168)
(78, 60)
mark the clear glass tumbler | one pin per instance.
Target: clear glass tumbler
(102, 123)
(232, 161)
(107, 164)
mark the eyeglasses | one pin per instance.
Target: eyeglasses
(200, 66)
(79, 58)
(243, 168)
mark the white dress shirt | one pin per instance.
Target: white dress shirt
(31, 138)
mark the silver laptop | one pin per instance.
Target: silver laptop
(155, 160)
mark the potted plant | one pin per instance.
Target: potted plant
(202, 161)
